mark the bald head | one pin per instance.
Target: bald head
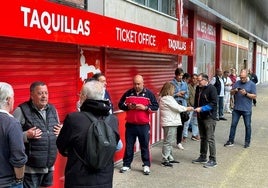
(244, 75)
(138, 83)
(219, 72)
(243, 72)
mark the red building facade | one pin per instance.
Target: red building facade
(62, 46)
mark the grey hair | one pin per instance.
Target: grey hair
(35, 84)
(6, 91)
(93, 90)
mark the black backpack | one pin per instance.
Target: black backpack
(100, 142)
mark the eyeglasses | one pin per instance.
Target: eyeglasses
(202, 80)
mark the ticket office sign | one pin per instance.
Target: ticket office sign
(49, 21)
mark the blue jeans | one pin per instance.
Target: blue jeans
(119, 145)
(247, 121)
(220, 106)
(17, 185)
(193, 122)
(37, 180)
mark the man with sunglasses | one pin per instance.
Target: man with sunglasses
(206, 98)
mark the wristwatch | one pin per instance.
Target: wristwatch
(19, 180)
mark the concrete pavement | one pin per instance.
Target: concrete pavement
(237, 167)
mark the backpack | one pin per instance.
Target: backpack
(100, 142)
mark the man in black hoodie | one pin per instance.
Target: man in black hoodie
(206, 107)
(73, 138)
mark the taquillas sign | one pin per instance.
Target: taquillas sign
(48, 21)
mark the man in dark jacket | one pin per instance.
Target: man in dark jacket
(12, 154)
(40, 124)
(206, 107)
(218, 82)
(72, 139)
(253, 77)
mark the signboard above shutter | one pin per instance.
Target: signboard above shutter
(49, 21)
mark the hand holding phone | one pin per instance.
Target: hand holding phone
(131, 106)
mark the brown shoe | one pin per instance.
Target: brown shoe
(195, 138)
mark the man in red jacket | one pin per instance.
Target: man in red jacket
(138, 102)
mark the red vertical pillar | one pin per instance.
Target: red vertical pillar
(179, 12)
(192, 33)
(254, 60)
(218, 46)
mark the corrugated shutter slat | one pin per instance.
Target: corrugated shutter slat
(25, 61)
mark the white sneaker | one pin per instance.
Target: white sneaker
(124, 169)
(146, 170)
(180, 146)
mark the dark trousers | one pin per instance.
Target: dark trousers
(206, 131)
(254, 102)
(179, 133)
(143, 133)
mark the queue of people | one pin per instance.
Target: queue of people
(36, 133)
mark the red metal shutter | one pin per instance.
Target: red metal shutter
(25, 61)
(122, 66)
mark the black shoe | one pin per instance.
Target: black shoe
(223, 118)
(174, 161)
(167, 164)
(246, 145)
(210, 164)
(228, 143)
(199, 160)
